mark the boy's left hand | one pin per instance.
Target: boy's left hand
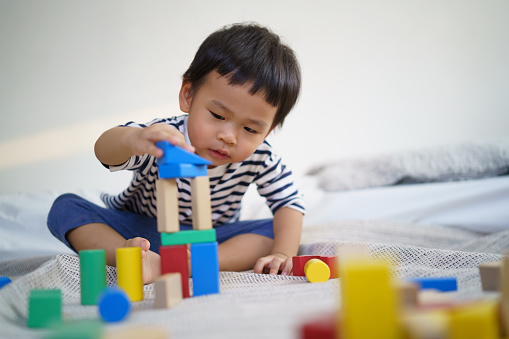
(274, 264)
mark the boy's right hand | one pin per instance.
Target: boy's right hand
(143, 140)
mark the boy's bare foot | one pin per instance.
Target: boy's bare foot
(150, 261)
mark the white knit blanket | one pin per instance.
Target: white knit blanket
(262, 306)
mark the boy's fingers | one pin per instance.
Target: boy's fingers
(276, 265)
(287, 270)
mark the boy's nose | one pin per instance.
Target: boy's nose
(228, 137)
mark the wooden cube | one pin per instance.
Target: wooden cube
(168, 290)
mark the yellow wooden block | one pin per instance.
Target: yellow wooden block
(200, 199)
(432, 324)
(316, 271)
(168, 290)
(476, 321)
(167, 206)
(369, 301)
(129, 273)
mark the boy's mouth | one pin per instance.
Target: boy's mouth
(219, 153)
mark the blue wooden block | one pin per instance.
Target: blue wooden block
(4, 281)
(114, 304)
(178, 155)
(442, 284)
(205, 268)
(171, 171)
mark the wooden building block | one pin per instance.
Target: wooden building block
(78, 329)
(436, 298)
(171, 171)
(300, 261)
(177, 155)
(188, 237)
(114, 305)
(324, 327)
(167, 206)
(407, 292)
(444, 284)
(92, 275)
(4, 281)
(369, 300)
(137, 332)
(504, 295)
(490, 275)
(205, 267)
(44, 308)
(129, 272)
(317, 271)
(168, 290)
(174, 259)
(477, 320)
(200, 197)
(432, 324)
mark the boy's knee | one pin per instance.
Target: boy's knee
(60, 208)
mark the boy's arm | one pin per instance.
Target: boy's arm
(118, 144)
(287, 231)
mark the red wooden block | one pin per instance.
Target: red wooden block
(174, 260)
(321, 328)
(300, 261)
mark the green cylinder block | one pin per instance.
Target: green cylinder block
(93, 275)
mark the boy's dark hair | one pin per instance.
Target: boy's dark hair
(250, 53)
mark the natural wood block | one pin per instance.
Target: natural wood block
(504, 295)
(200, 197)
(490, 275)
(136, 332)
(426, 325)
(407, 292)
(167, 206)
(435, 297)
(168, 290)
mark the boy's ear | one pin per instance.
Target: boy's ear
(185, 96)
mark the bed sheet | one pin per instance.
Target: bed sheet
(480, 205)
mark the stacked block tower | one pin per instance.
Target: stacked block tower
(179, 163)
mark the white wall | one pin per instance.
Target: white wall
(379, 76)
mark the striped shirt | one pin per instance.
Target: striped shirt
(228, 183)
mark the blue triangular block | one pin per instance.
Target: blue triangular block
(178, 155)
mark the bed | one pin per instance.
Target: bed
(437, 212)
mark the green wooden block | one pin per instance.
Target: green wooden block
(92, 275)
(81, 329)
(188, 237)
(44, 308)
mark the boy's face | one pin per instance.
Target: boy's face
(225, 123)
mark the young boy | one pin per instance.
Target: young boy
(241, 84)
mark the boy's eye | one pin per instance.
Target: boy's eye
(250, 130)
(217, 116)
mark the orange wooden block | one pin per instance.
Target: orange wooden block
(167, 206)
(200, 198)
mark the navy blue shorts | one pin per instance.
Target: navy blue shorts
(70, 211)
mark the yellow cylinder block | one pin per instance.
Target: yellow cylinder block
(316, 271)
(129, 272)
